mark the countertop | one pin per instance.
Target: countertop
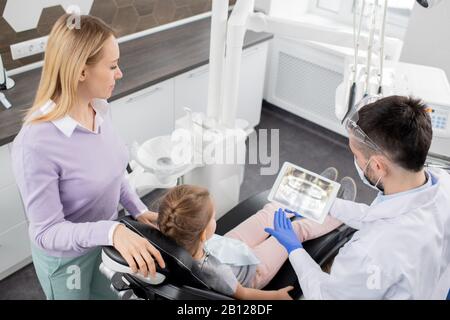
(144, 61)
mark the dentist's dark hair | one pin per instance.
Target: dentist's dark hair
(401, 126)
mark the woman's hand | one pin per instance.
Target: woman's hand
(137, 251)
(150, 218)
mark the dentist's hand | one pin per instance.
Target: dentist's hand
(137, 251)
(150, 218)
(284, 232)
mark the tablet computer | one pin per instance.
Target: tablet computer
(303, 191)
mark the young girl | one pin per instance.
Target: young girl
(186, 214)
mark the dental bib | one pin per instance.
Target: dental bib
(231, 251)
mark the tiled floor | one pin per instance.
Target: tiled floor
(301, 142)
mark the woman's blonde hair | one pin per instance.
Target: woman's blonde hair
(68, 50)
(184, 213)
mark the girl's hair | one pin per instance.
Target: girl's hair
(184, 213)
(68, 50)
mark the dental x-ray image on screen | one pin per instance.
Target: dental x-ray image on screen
(303, 191)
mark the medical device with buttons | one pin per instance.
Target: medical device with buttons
(439, 118)
(432, 86)
(375, 74)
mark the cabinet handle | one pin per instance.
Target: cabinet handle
(197, 73)
(143, 95)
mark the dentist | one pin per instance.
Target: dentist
(401, 249)
(70, 166)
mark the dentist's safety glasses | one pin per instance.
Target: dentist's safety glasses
(352, 128)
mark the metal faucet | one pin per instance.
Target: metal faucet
(5, 82)
(4, 101)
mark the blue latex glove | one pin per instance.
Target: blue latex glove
(284, 232)
(294, 213)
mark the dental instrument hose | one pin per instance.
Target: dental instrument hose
(356, 37)
(383, 26)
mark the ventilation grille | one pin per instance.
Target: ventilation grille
(307, 85)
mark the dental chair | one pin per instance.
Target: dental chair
(180, 280)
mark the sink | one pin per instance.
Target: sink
(165, 158)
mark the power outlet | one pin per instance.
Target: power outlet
(28, 48)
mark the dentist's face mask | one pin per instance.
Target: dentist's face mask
(365, 179)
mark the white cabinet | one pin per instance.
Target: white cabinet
(6, 174)
(15, 250)
(14, 242)
(11, 208)
(144, 114)
(191, 88)
(251, 83)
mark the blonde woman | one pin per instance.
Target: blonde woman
(69, 165)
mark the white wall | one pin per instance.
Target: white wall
(21, 20)
(288, 9)
(427, 40)
(263, 5)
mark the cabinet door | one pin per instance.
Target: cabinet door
(145, 114)
(251, 83)
(11, 208)
(6, 174)
(14, 249)
(191, 90)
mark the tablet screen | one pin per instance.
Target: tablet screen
(304, 191)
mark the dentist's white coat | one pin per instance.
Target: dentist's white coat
(400, 251)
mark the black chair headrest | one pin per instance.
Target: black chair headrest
(180, 268)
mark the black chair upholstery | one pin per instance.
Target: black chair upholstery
(182, 275)
(182, 280)
(179, 270)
